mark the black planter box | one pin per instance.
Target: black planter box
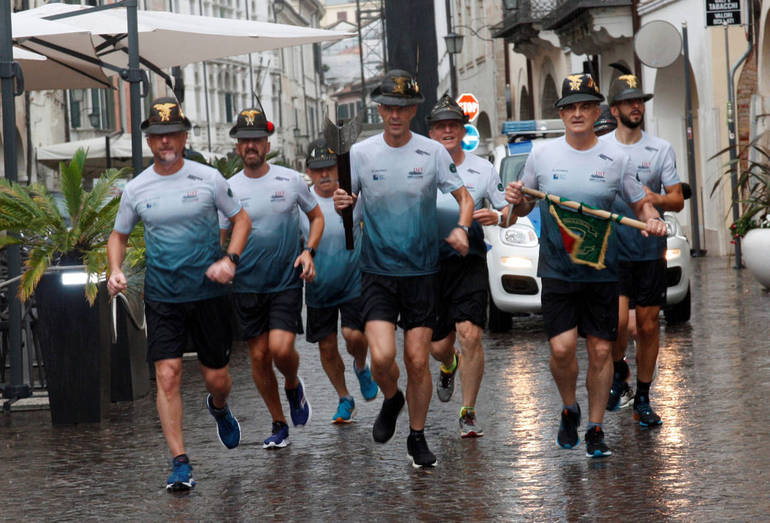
(84, 369)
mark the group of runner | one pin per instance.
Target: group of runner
(418, 262)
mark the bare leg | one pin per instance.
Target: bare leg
(598, 377)
(648, 326)
(619, 346)
(285, 356)
(444, 350)
(564, 366)
(218, 383)
(419, 388)
(333, 364)
(472, 368)
(381, 336)
(264, 376)
(355, 342)
(168, 377)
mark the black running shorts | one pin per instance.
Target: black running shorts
(592, 307)
(261, 313)
(323, 321)
(462, 294)
(643, 282)
(205, 324)
(407, 301)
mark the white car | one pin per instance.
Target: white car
(512, 253)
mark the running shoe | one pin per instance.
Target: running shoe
(595, 446)
(368, 386)
(385, 424)
(299, 407)
(646, 417)
(621, 396)
(418, 451)
(279, 438)
(228, 428)
(180, 479)
(345, 410)
(445, 383)
(468, 426)
(568, 434)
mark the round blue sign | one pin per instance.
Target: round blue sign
(472, 138)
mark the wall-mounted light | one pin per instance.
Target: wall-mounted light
(454, 42)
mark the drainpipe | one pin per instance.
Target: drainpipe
(731, 128)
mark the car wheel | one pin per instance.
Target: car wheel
(499, 321)
(679, 313)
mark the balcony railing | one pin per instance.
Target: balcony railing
(525, 13)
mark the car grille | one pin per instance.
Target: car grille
(519, 285)
(673, 275)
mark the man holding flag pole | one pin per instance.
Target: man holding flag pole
(577, 252)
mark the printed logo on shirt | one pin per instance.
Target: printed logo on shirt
(650, 148)
(500, 187)
(474, 171)
(644, 165)
(559, 174)
(193, 177)
(417, 172)
(420, 151)
(598, 176)
(229, 192)
(605, 157)
(190, 196)
(453, 167)
(278, 196)
(282, 178)
(378, 174)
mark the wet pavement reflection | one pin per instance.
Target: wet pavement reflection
(709, 461)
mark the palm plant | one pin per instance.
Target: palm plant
(752, 190)
(31, 217)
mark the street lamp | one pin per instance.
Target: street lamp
(454, 43)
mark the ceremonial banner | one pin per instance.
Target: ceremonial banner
(585, 237)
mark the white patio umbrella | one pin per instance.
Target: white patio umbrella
(169, 39)
(56, 69)
(157, 39)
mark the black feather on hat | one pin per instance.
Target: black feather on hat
(398, 87)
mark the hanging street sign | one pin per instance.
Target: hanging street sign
(469, 104)
(722, 12)
(471, 139)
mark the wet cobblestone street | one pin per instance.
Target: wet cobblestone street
(708, 462)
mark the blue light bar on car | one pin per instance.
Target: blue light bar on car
(533, 127)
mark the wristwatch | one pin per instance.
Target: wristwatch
(463, 227)
(311, 251)
(235, 258)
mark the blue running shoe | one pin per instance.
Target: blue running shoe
(595, 446)
(180, 479)
(299, 408)
(279, 438)
(568, 434)
(368, 387)
(345, 410)
(646, 417)
(228, 428)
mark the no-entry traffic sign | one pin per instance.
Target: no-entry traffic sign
(469, 104)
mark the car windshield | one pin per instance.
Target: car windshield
(511, 167)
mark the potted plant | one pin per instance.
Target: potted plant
(74, 334)
(753, 195)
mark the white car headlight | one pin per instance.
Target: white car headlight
(518, 236)
(672, 225)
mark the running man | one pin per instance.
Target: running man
(578, 299)
(463, 280)
(397, 174)
(336, 291)
(642, 265)
(185, 291)
(268, 282)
